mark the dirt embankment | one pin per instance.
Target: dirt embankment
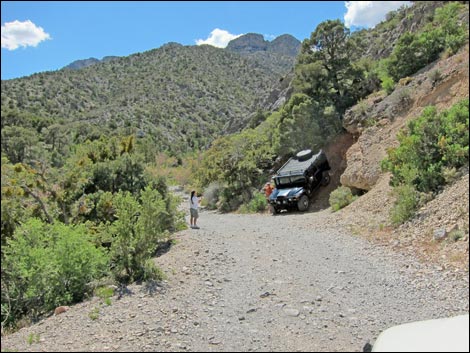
(375, 122)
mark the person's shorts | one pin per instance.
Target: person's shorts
(194, 213)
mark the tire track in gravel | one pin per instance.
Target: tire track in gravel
(293, 282)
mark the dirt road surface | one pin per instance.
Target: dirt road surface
(291, 282)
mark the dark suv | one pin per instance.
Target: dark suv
(297, 179)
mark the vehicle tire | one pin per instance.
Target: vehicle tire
(304, 155)
(303, 203)
(325, 180)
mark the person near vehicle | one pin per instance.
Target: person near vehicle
(268, 189)
(194, 209)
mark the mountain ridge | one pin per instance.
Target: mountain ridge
(82, 63)
(284, 44)
(181, 95)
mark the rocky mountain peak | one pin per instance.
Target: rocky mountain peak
(80, 64)
(248, 43)
(285, 44)
(253, 42)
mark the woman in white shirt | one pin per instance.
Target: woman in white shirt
(193, 209)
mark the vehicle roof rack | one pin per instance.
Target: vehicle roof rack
(296, 165)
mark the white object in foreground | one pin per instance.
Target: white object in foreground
(439, 335)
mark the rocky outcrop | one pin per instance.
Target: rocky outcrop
(252, 42)
(248, 43)
(280, 93)
(376, 120)
(282, 52)
(286, 45)
(364, 157)
(383, 37)
(80, 64)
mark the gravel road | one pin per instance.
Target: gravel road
(292, 282)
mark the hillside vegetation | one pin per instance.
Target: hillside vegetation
(182, 96)
(84, 176)
(82, 164)
(333, 73)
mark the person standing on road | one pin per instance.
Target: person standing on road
(193, 209)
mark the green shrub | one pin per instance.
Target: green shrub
(413, 51)
(152, 272)
(456, 235)
(229, 202)
(140, 226)
(431, 150)
(432, 142)
(454, 33)
(94, 314)
(450, 174)
(341, 197)
(104, 292)
(380, 70)
(257, 204)
(33, 338)
(435, 76)
(406, 204)
(47, 265)
(388, 85)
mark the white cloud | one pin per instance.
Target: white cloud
(16, 34)
(218, 38)
(369, 13)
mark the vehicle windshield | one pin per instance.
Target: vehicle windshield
(290, 180)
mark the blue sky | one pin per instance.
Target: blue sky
(48, 35)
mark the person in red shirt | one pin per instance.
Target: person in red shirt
(268, 189)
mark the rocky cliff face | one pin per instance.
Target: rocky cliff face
(283, 51)
(286, 45)
(248, 43)
(374, 124)
(383, 37)
(251, 43)
(376, 121)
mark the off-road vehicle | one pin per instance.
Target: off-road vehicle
(297, 179)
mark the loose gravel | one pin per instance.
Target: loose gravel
(291, 282)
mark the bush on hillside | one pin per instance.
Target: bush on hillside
(431, 142)
(341, 197)
(413, 51)
(431, 150)
(47, 265)
(406, 204)
(139, 228)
